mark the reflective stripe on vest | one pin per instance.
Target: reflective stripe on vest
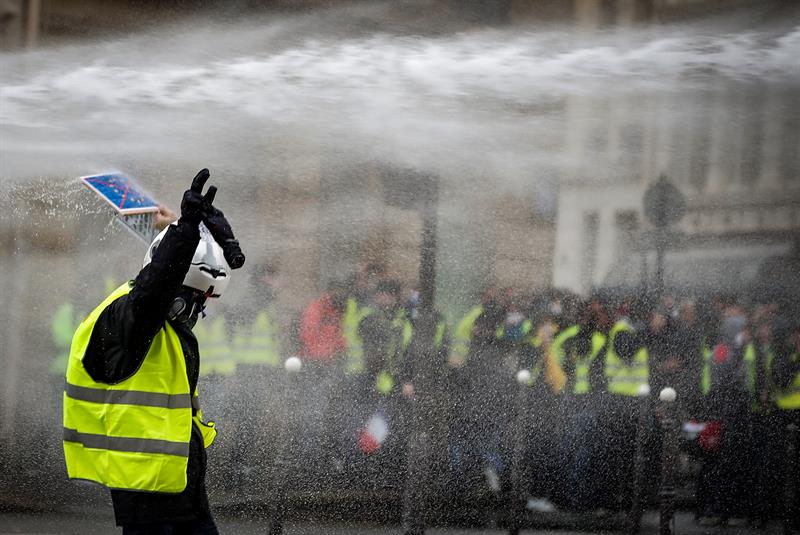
(63, 327)
(625, 379)
(257, 343)
(583, 363)
(351, 320)
(438, 337)
(212, 342)
(135, 434)
(788, 399)
(705, 381)
(557, 347)
(749, 358)
(402, 332)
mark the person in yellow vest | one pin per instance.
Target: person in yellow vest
(132, 419)
(626, 371)
(785, 374)
(541, 402)
(257, 340)
(386, 333)
(441, 348)
(694, 381)
(252, 402)
(462, 337)
(486, 391)
(579, 350)
(725, 477)
(62, 327)
(766, 448)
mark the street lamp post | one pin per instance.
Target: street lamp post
(637, 507)
(281, 468)
(790, 485)
(415, 497)
(517, 505)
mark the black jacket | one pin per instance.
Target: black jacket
(119, 343)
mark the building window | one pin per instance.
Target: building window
(752, 133)
(626, 232)
(790, 142)
(700, 145)
(591, 222)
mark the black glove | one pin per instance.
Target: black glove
(223, 234)
(195, 205)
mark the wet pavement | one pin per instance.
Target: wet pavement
(69, 524)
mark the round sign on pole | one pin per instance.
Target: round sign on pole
(664, 204)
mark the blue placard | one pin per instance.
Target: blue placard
(121, 192)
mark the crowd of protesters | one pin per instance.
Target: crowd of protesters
(588, 365)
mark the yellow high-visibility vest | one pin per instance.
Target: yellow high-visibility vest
(625, 379)
(135, 434)
(584, 362)
(354, 345)
(63, 327)
(705, 378)
(212, 341)
(788, 399)
(397, 349)
(257, 343)
(462, 337)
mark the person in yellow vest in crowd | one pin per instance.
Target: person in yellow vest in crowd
(765, 421)
(457, 387)
(132, 419)
(441, 348)
(422, 374)
(694, 380)
(462, 337)
(354, 314)
(483, 396)
(579, 349)
(357, 307)
(542, 416)
(626, 371)
(725, 478)
(249, 408)
(257, 340)
(63, 327)
(213, 339)
(785, 376)
(386, 333)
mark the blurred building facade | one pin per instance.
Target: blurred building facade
(733, 152)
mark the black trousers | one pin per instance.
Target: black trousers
(203, 526)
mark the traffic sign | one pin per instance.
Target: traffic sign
(664, 204)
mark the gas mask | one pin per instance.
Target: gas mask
(187, 306)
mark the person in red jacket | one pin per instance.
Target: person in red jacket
(321, 326)
(322, 347)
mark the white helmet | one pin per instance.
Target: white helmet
(209, 271)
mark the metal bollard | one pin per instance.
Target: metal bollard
(790, 469)
(669, 455)
(516, 504)
(280, 469)
(637, 507)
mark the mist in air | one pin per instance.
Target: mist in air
(330, 103)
